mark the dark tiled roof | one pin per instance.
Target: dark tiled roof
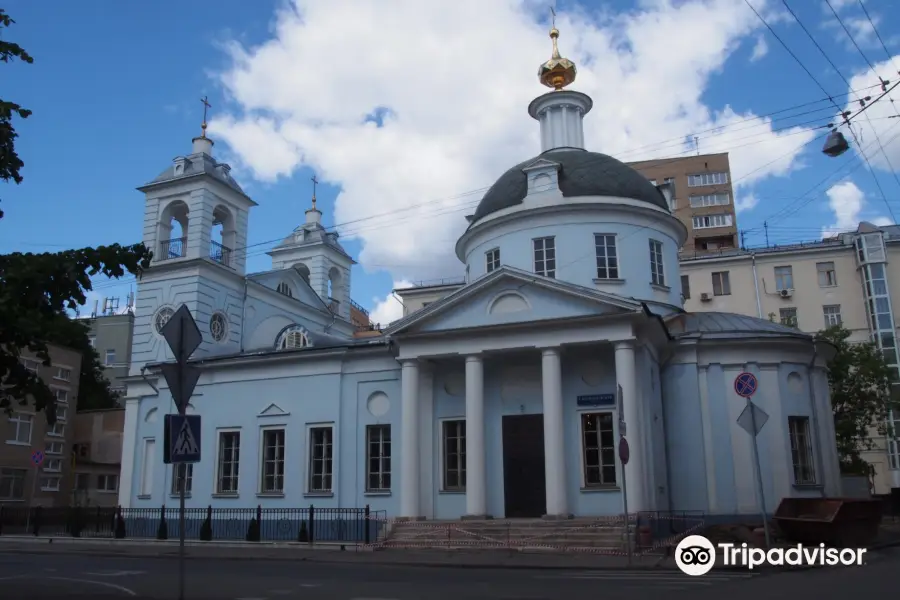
(197, 164)
(581, 173)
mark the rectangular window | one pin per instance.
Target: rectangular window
(57, 430)
(53, 447)
(686, 287)
(784, 278)
(62, 374)
(50, 483)
(801, 451)
(607, 258)
(62, 396)
(598, 447)
(272, 480)
(454, 455)
(182, 472)
(721, 283)
(108, 483)
(148, 463)
(788, 316)
(82, 480)
(321, 448)
(20, 426)
(12, 484)
(229, 462)
(711, 221)
(30, 364)
(545, 256)
(378, 470)
(110, 358)
(707, 179)
(827, 274)
(53, 465)
(832, 315)
(657, 272)
(93, 341)
(61, 412)
(703, 200)
(492, 258)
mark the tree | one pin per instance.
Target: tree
(36, 290)
(860, 381)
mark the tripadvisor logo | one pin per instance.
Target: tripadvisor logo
(695, 555)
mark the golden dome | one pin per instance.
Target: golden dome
(558, 72)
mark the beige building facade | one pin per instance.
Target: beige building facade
(25, 432)
(97, 456)
(852, 279)
(703, 198)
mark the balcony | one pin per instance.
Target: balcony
(219, 253)
(358, 307)
(173, 248)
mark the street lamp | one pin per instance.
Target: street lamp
(835, 145)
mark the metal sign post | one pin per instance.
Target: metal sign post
(37, 457)
(752, 420)
(624, 455)
(184, 337)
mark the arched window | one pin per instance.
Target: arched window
(293, 337)
(284, 288)
(162, 317)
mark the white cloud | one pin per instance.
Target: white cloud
(760, 48)
(388, 309)
(878, 123)
(745, 202)
(456, 76)
(848, 203)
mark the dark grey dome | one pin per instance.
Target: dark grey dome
(581, 173)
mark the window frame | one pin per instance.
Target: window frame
(492, 260)
(327, 460)
(686, 287)
(805, 430)
(724, 282)
(220, 462)
(381, 489)
(548, 264)
(16, 420)
(838, 321)
(188, 478)
(144, 483)
(12, 474)
(707, 177)
(63, 373)
(795, 316)
(610, 264)
(714, 221)
(829, 273)
(581, 415)
(264, 432)
(657, 263)
(106, 361)
(106, 477)
(461, 459)
(53, 478)
(779, 273)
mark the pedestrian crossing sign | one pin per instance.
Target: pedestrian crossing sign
(182, 439)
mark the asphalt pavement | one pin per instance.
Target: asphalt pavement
(35, 577)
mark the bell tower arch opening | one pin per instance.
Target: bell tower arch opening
(172, 231)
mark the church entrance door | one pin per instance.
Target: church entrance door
(523, 466)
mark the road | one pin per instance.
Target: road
(58, 576)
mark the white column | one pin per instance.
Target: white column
(626, 377)
(409, 439)
(476, 471)
(129, 447)
(554, 448)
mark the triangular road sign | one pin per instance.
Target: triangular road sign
(185, 444)
(181, 390)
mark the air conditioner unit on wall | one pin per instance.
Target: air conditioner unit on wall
(786, 293)
(705, 297)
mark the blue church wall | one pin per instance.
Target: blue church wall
(286, 396)
(685, 440)
(576, 253)
(510, 302)
(721, 447)
(299, 288)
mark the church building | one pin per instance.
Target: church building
(507, 397)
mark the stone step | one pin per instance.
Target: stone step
(443, 534)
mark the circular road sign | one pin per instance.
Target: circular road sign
(37, 457)
(745, 384)
(624, 451)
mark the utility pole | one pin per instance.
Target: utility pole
(766, 227)
(743, 240)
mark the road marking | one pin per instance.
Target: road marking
(280, 592)
(13, 577)
(310, 585)
(115, 573)
(112, 586)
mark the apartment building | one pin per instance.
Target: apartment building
(703, 198)
(111, 333)
(97, 456)
(24, 432)
(852, 279)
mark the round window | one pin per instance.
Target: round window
(162, 317)
(218, 326)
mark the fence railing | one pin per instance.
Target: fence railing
(173, 248)
(348, 525)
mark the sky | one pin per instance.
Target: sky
(407, 111)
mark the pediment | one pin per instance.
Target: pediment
(541, 164)
(273, 410)
(508, 297)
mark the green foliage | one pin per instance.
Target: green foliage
(37, 289)
(860, 381)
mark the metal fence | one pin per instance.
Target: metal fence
(348, 525)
